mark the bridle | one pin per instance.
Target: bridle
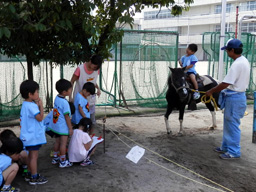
(186, 86)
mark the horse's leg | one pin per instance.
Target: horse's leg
(166, 116)
(211, 108)
(181, 115)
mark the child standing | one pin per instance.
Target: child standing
(61, 126)
(80, 143)
(81, 103)
(189, 61)
(32, 131)
(88, 72)
(48, 121)
(9, 151)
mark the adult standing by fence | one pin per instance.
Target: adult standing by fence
(87, 72)
(233, 99)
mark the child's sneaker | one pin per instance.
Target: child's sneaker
(196, 95)
(10, 189)
(87, 162)
(27, 177)
(55, 160)
(39, 180)
(65, 163)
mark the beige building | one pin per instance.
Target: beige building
(203, 16)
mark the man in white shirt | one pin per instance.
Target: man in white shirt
(233, 99)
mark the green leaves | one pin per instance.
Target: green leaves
(40, 27)
(176, 10)
(69, 24)
(68, 32)
(4, 31)
(12, 8)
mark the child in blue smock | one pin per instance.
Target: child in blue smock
(32, 132)
(189, 61)
(61, 125)
(81, 103)
(9, 151)
(7, 134)
(48, 121)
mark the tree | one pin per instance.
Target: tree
(68, 31)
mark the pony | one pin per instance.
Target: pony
(179, 94)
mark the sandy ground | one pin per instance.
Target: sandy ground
(170, 163)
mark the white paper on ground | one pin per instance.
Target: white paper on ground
(95, 141)
(135, 154)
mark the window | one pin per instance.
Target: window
(247, 6)
(163, 14)
(228, 28)
(228, 8)
(243, 6)
(218, 8)
(248, 27)
(251, 5)
(163, 29)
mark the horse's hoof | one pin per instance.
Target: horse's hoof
(169, 132)
(212, 128)
(180, 134)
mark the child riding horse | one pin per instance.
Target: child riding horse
(179, 95)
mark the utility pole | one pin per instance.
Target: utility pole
(222, 40)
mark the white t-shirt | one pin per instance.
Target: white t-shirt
(238, 75)
(76, 149)
(84, 77)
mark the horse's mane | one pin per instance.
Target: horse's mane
(175, 71)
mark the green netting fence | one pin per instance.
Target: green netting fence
(137, 74)
(211, 46)
(13, 72)
(143, 59)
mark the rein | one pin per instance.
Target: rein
(205, 100)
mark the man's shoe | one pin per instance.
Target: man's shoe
(219, 150)
(227, 156)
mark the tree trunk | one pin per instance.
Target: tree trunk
(30, 68)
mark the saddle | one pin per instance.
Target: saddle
(201, 81)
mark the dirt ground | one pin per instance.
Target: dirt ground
(170, 163)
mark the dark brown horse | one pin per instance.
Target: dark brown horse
(179, 94)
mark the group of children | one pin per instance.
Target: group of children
(59, 123)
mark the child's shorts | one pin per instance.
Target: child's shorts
(188, 73)
(33, 148)
(52, 134)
